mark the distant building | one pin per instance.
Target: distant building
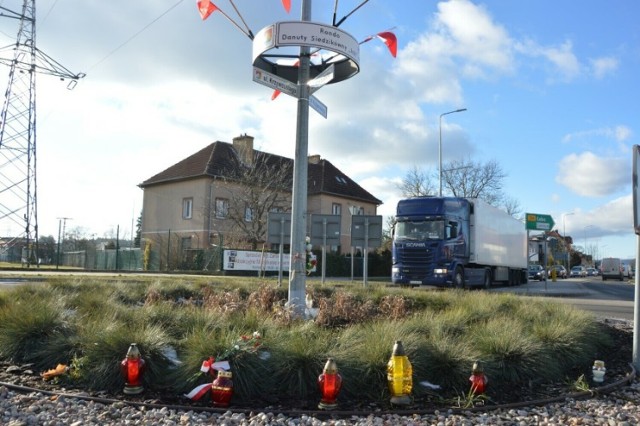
(216, 196)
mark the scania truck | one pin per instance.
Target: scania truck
(456, 242)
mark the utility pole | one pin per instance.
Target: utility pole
(18, 206)
(62, 222)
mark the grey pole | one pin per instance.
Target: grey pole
(440, 148)
(297, 268)
(636, 310)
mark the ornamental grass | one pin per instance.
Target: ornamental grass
(88, 324)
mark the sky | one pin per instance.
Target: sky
(550, 87)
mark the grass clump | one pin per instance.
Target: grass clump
(178, 323)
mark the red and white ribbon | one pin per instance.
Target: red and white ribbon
(198, 391)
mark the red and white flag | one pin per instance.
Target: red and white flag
(206, 8)
(390, 40)
(287, 5)
(387, 38)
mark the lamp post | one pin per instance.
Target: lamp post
(440, 147)
(564, 232)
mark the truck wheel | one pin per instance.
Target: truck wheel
(487, 279)
(458, 278)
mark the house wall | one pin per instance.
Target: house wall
(162, 215)
(162, 211)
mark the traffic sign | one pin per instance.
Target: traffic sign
(321, 79)
(273, 81)
(318, 106)
(539, 222)
(636, 188)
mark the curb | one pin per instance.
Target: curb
(602, 390)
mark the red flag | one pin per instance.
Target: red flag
(390, 40)
(287, 5)
(206, 8)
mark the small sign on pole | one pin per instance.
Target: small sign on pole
(539, 222)
(636, 225)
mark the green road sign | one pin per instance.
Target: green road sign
(539, 222)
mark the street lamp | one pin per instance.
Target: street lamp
(564, 232)
(440, 147)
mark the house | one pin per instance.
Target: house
(222, 194)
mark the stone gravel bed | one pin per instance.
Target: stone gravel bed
(618, 408)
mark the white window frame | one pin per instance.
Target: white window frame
(187, 208)
(336, 208)
(222, 208)
(248, 214)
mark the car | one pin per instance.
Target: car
(560, 271)
(536, 272)
(578, 271)
(592, 272)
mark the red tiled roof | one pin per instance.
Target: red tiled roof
(220, 159)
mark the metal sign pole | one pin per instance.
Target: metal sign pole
(365, 252)
(297, 267)
(636, 311)
(281, 251)
(324, 249)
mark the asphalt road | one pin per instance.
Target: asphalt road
(608, 299)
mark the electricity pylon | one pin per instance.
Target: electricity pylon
(18, 184)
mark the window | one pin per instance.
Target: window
(336, 209)
(248, 214)
(187, 208)
(222, 208)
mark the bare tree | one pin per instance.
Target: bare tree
(512, 206)
(258, 188)
(464, 178)
(417, 183)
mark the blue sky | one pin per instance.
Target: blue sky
(551, 91)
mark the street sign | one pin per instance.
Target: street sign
(539, 222)
(318, 106)
(636, 188)
(273, 81)
(321, 79)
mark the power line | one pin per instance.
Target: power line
(127, 41)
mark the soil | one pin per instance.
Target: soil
(618, 365)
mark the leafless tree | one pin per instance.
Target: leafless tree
(464, 178)
(417, 183)
(259, 188)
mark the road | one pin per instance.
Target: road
(609, 299)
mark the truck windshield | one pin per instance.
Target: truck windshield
(422, 230)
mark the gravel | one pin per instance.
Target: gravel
(618, 408)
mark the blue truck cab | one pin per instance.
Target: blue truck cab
(430, 240)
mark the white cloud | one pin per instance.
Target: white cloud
(564, 63)
(618, 133)
(590, 175)
(603, 66)
(475, 35)
(612, 218)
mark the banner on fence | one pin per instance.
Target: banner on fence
(240, 260)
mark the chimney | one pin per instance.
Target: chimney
(314, 159)
(243, 145)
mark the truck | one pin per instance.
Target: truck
(456, 242)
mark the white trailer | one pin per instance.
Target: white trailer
(497, 240)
